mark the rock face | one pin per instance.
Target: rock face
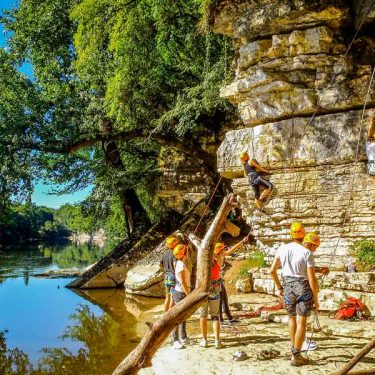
(300, 87)
(183, 181)
(333, 288)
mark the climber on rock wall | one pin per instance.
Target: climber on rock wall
(299, 287)
(251, 170)
(370, 149)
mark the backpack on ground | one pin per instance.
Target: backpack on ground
(352, 308)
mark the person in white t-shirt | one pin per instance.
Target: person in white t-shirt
(181, 290)
(299, 289)
(370, 149)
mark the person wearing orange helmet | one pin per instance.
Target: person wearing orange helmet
(370, 149)
(251, 170)
(181, 290)
(299, 288)
(213, 301)
(167, 263)
(312, 241)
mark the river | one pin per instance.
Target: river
(46, 328)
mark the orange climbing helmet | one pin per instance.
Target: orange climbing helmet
(179, 251)
(219, 247)
(244, 156)
(297, 231)
(313, 238)
(171, 242)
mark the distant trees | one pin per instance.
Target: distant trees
(27, 222)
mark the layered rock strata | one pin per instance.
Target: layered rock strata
(300, 88)
(335, 288)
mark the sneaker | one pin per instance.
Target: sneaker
(178, 345)
(309, 345)
(185, 341)
(203, 343)
(218, 344)
(299, 360)
(234, 320)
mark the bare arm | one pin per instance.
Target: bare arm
(236, 246)
(275, 266)
(257, 166)
(313, 285)
(322, 270)
(184, 283)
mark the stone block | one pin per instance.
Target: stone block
(243, 285)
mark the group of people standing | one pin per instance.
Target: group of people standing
(177, 281)
(298, 286)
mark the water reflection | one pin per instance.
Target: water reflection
(27, 261)
(48, 329)
(100, 349)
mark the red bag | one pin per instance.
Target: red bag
(351, 308)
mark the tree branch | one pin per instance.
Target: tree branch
(141, 356)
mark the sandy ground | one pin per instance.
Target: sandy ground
(256, 334)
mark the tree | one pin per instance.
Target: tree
(114, 83)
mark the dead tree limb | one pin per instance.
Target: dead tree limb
(364, 351)
(141, 356)
(365, 371)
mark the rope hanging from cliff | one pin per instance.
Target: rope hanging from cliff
(207, 205)
(356, 161)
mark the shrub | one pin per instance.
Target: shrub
(257, 259)
(364, 251)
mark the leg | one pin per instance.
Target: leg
(256, 190)
(203, 324)
(183, 330)
(224, 302)
(267, 185)
(203, 312)
(292, 329)
(216, 326)
(168, 299)
(214, 311)
(221, 319)
(300, 331)
(258, 203)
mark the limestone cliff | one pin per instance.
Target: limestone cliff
(300, 86)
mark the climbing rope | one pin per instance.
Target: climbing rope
(346, 216)
(207, 205)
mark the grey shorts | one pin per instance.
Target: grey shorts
(298, 296)
(257, 182)
(213, 305)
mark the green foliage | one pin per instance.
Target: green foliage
(256, 260)
(101, 68)
(364, 250)
(12, 361)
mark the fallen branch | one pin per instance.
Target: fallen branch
(363, 352)
(142, 355)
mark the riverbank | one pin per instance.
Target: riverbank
(337, 345)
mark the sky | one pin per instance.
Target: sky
(41, 195)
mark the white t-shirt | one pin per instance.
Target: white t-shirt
(294, 259)
(370, 150)
(180, 266)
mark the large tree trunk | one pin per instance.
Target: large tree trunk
(141, 356)
(134, 213)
